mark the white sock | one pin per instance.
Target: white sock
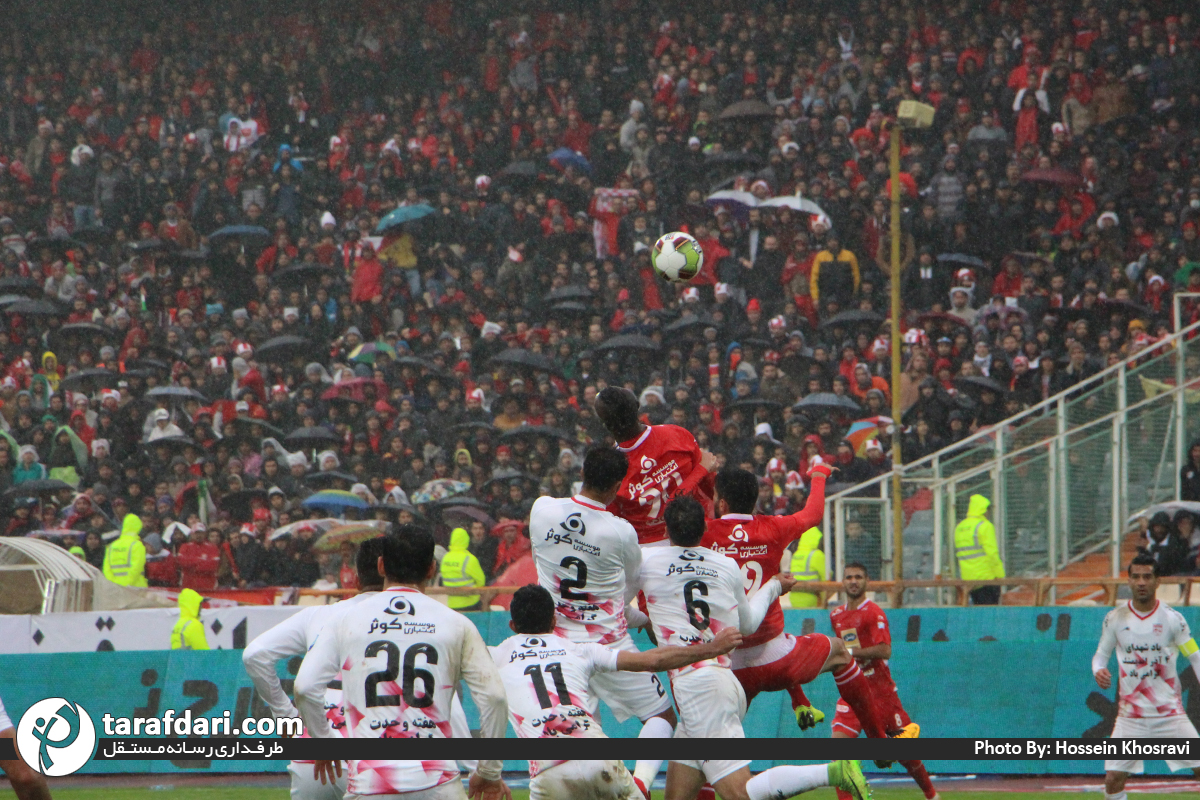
(1118, 796)
(780, 782)
(646, 771)
(656, 728)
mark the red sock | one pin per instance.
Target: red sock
(796, 692)
(707, 792)
(919, 774)
(844, 795)
(856, 691)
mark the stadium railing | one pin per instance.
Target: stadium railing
(1048, 472)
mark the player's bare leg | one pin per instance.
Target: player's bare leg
(853, 687)
(660, 726)
(26, 783)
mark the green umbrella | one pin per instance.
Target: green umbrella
(366, 353)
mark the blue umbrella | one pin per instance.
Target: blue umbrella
(243, 232)
(565, 157)
(335, 499)
(402, 215)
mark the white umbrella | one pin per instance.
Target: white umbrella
(1170, 508)
(802, 204)
(316, 525)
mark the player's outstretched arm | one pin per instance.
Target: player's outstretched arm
(753, 610)
(661, 659)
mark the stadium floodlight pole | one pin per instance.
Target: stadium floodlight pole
(910, 114)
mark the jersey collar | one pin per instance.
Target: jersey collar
(636, 442)
(583, 501)
(744, 517)
(1139, 616)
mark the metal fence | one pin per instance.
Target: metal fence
(1048, 472)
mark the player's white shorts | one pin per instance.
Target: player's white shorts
(630, 694)
(714, 770)
(711, 705)
(306, 787)
(584, 780)
(1176, 727)
(5, 722)
(451, 790)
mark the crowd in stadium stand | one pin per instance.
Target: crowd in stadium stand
(206, 319)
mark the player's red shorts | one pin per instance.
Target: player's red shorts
(893, 716)
(800, 666)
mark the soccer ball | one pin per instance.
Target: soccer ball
(677, 257)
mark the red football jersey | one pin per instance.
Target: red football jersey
(663, 462)
(757, 544)
(865, 626)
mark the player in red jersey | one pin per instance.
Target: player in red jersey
(863, 626)
(770, 660)
(664, 461)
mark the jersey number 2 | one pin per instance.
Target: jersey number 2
(569, 587)
(408, 684)
(534, 671)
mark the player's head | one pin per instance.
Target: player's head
(854, 580)
(532, 610)
(617, 408)
(408, 555)
(603, 470)
(737, 489)
(685, 521)
(367, 565)
(1143, 577)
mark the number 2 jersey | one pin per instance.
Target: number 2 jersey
(583, 555)
(1146, 646)
(692, 593)
(401, 655)
(664, 461)
(757, 543)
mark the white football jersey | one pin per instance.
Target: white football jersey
(401, 655)
(693, 592)
(546, 678)
(583, 556)
(1146, 650)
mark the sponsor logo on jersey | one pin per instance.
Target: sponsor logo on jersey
(733, 551)
(399, 605)
(401, 626)
(738, 534)
(536, 652)
(648, 463)
(690, 569)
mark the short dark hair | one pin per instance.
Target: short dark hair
(685, 521)
(367, 563)
(738, 488)
(856, 565)
(604, 468)
(617, 408)
(1142, 560)
(408, 554)
(532, 610)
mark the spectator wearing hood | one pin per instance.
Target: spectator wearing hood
(199, 560)
(1189, 474)
(1165, 547)
(161, 567)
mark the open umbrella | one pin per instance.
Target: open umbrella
(87, 330)
(755, 404)
(238, 504)
(570, 308)
(402, 215)
(863, 431)
(352, 533)
(519, 357)
(565, 157)
(35, 308)
(299, 273)
(283, 348)
(1057, 176)
(439, 489)
(55, 244)
(148, 365)
(827, 401)
(16, 284)
(737, 201)
(314, 437)
(630, 341)
(801, 204)
(366, 353)
(568, 293)
(518, 172)
(176, 443)
(89, 379)
(8, 299)
(690, 322)
(961, 258)
(244, 425)
(317, 526)
(931, 317)
(534, 431)
(246, 234)
(153, 245)
(324, 478)
(747, 109)
(56, 534)
(177, 394)
(38, 488)
(1170, 507)
(334, 499)
(852, 318)
(473, 428)
(979, 383)
(465, 515)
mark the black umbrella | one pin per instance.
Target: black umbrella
(10, 298)
(19, 285)
(827, 401)
(394, 510)
(470, 513)
(733, 160)
(568, 293)
(754, 341)
(175, 394)
(416, 362)
(38, 488)
(282, 348)
(519, 357)
(299, 273)
(458, 501)
(533, 431)
(245, 234)
(96, 234)
(570, 308)
(238, 503)
(176, 256)
(35, 308)
(88, 329)
(90, 378)
(851, 318)
(243, 424)
(474, 428)
(315, 436)
(747, 109)
(796, 365)
(172, 442)
(961, 258)
(150, 364)
(160, 351)
(1126, 307)
(59, 245)
(324, 478)
(688, 323)
(630, 341)
(153, 245)
(980, 383)
(756, 404)
(519, 172)
(524, 477)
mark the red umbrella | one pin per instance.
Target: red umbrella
(1055, 175)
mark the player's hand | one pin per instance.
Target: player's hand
(786, 582)
(824, 470)
(327, 769)
(708, 460)
(480, 789)
(727, 639)
(1104, 679)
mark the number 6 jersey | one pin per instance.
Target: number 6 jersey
(401, 655)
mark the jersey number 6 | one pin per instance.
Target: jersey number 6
(408, 682)
(697, 610)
